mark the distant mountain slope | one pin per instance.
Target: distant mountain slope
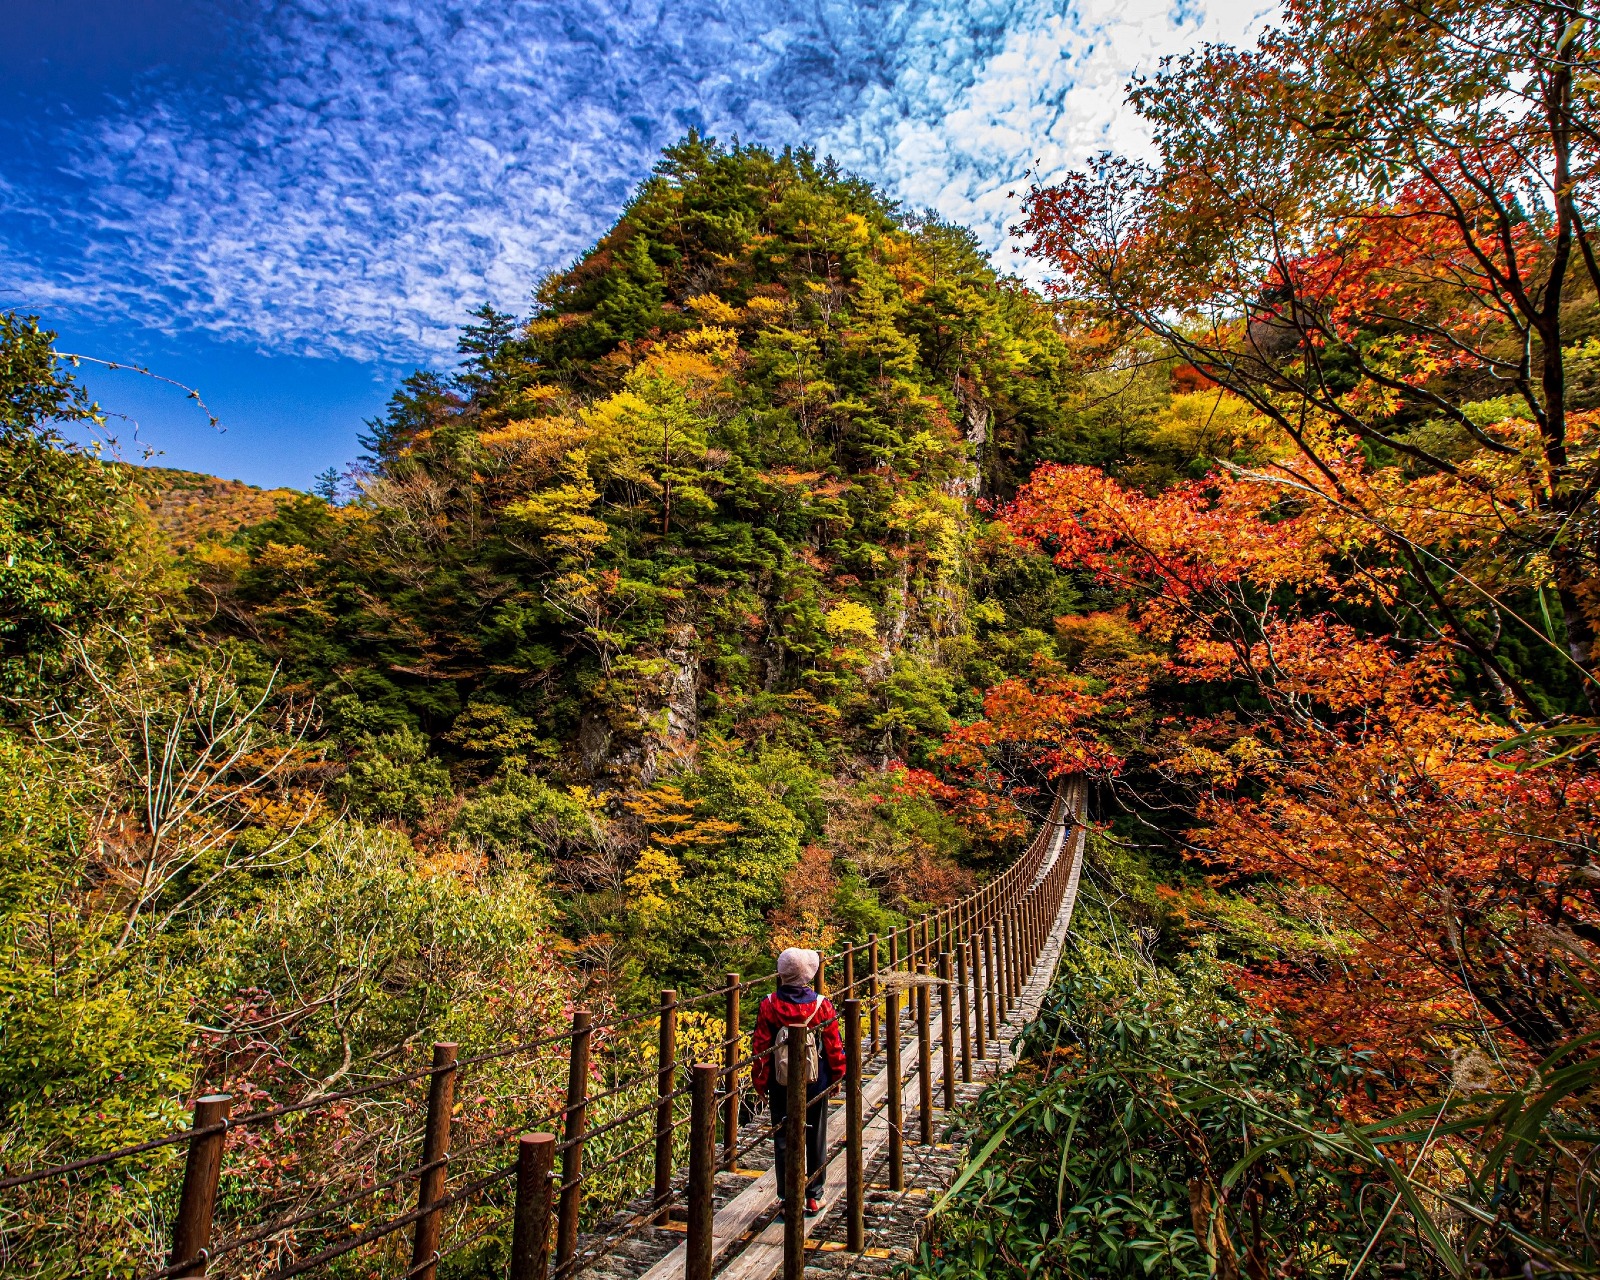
(192, 508)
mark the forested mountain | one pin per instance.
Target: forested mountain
(690, 545)
(719, 480)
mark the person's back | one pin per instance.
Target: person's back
(796, 1004)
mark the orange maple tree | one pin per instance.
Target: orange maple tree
(1437, 896)
(1373, 228)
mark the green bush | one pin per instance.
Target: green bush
(1118, 1145)
(519, 818)
(393, 777)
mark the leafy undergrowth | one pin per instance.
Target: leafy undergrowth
(1115, 1146)
(1159, 1125)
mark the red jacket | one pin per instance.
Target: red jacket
(784, 1008)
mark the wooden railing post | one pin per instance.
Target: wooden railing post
(975, 949)
(666, 1079)
(855, 1174)
(530, 1225)
(1025, 935)
(1024, 940)
(1000, 967)
(1008, 955)
(794, 1159)
(202, 1169)
(1019, 950)
(964, 1009)
(1024, 959)
(572, 1140)
(873, 1012)
(981, 986)
(1019, 972)
(435, 1156)
(947, 1036)
(849, 958)
(925, 1061)
(731, 1041)
(896, 1104)
(991, 984)
(702, 1170)
(1003, 941)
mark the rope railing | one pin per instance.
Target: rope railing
(976, 951)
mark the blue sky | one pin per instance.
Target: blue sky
(291, 203)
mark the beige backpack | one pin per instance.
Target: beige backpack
(813, 1053)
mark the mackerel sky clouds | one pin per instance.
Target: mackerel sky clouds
(294, 202)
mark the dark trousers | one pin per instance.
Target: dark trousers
(816, 1131)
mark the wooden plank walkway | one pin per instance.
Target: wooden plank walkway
(895, 1220)
(748, 1236)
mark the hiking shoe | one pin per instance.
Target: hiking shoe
(813, 1208)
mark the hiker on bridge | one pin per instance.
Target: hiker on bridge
(796, 1004)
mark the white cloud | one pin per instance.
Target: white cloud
(386, 166)
(1051, 95)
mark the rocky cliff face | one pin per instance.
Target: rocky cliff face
(661, 736)
(674, 748)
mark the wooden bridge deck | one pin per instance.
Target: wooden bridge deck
(748, 1237)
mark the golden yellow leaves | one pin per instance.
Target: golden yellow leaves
(712, 310)
(294, 572)
(765, 310)
(532, 448)
(852, 623)
(938, 521)
(560, 516)
(1097, 639)
(714, 313)
(1245, 757)
(1217, 424)
(676, 828)
(653, 884)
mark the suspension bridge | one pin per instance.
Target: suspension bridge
(928, 1014)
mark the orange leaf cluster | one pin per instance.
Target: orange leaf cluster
(1430, 893)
